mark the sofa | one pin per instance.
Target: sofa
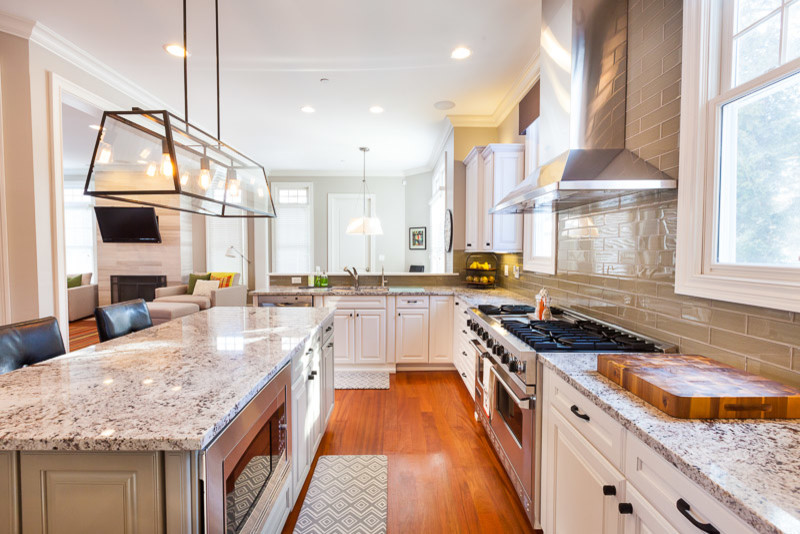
(82, 300)
(235, 295)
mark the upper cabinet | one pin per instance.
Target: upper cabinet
(491, 172)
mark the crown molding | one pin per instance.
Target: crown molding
(277, 174)
(16, 26)
(58, 45)
(520, 87)
(417, 170)
(438, 148)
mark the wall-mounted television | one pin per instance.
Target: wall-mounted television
(127, 225)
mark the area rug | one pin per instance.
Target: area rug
(83, 334)
(361, 380)
(347, 495)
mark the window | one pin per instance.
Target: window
(539, 227)
(437, 207)
(740, 154)
(221, 235)
(79, 230)
(293, 229)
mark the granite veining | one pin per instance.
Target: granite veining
(750, 466)
(472, 296)
(171, 387)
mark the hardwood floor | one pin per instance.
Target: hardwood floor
(83, 334)
(443, 473)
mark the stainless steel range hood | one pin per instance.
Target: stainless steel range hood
(582, 120)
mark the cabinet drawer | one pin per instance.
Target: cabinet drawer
(301, 360)
(595, 425)
(356, 303)
(326, 332)
(412, 302)
(664, 487)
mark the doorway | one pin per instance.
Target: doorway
(344, 249)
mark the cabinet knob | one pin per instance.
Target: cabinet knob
(469, 244)
(464, 375)
(609, 490)
(330, 345)
(625, 508)
(311, 376)
(313, 373)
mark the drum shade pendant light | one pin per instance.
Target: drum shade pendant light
(364, 225)
(155, 158)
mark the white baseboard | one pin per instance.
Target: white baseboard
(425, 367)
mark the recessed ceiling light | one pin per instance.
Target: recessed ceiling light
(444, 104)
(307, 109)
(175, 49)
(376, 109)
(462, 52)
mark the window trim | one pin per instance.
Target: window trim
(538, 264)
(701, 102)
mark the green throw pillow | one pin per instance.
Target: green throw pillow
(193, 278)
(74, 281)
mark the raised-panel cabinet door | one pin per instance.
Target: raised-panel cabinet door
(370, 336)
(314, 405)
(411, 335)
(344, 347)
(486, 203)
(582, 490)
(508, 172)
(328, 387)
(472, 218)
(441, 330)
(300, 460)
(644, 519)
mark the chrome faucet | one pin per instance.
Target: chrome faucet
(353, 274)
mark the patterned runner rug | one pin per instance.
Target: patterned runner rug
(347, 495)
(361, 380)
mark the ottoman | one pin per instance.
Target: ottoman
(161, 312)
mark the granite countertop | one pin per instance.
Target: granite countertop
(750, 466)
(473, 296)
(171, 387)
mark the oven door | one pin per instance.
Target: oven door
(248, 463)
(512, 421)
(483, 379)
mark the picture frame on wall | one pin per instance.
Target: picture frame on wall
(417, 238)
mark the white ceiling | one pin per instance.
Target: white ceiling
(274, 52)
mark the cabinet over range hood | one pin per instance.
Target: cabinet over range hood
(582, 112)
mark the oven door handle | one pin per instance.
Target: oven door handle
(522, 404)
(476, 344)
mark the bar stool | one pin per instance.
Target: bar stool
(123, 318)
(29, 342)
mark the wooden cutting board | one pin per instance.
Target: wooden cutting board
(696, 387)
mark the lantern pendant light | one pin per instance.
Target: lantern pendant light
(192, 171)
(364, 225)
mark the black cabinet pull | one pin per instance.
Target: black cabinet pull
(464, 375)
(330, 345)
(578, 413)
(488, 244)
(313, 373)
(469, 244)
(685, 510)
(328, 329)
(609, 490)
(311, 376)
(625, 508)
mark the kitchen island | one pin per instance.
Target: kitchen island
(116, 434)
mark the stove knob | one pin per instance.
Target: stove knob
(513, 365)
(485, 335)
(521, 366)
(498, 350)
(469, 323)
(490, 344)
(505, 357)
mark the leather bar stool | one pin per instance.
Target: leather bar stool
(123, 318)
(29, 342)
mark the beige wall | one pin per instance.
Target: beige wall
(508, 129)
(467, 137)
(418, 213)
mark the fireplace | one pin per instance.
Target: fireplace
(124, 287)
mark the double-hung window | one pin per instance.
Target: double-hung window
(292, 230)
(79, 229)
(739, 192)
(437, 210)
(539, 227)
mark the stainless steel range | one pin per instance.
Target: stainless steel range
(506, 342)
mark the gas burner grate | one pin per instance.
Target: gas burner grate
(582, 336)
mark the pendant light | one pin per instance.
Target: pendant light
(194, 171)
(364, 225)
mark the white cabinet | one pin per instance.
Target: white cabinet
(644, 519)
(504, 169)
(344, 346)
(463, 353)
(370, 336)
(491, 173)
(300, 457)
(440, 346)
(411, 335)
(474, 182)
(327, 382)
(582, 490)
